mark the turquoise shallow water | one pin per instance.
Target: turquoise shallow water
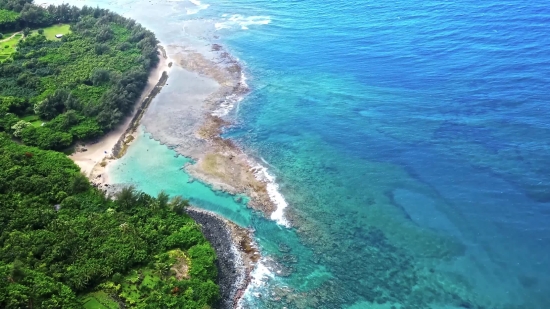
(410, 139)
(152, 167)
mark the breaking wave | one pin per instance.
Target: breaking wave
(241, 21)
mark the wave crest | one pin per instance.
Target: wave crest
(238, 20)
(261, 173)
(199, 6)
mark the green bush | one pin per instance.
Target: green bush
(62, 237)
(78, 94)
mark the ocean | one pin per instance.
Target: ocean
(410, 140)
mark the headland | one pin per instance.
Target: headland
(192, 124)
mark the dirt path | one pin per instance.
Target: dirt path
(4, 40)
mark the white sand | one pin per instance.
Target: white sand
(89, 160)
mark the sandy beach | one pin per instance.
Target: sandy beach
(94, 160)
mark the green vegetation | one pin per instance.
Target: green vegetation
(7, 46)
(8, 43)
(51, 32)
(79, 86)
(8, 19)
(99, 300)
(34, 120)
(63, 244)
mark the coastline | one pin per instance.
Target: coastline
(93, 159)
(236, 250)
(195, 130)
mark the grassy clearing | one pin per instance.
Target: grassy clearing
(50, 32)
(34, 120)
(8, 47)
(99, 300)
(180, 265)
(7, 34)
(132, 289)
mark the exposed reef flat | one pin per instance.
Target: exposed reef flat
(189, 117)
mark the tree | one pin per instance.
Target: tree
(178, 204)
(127, 197)
(100, 76)
(61, 237)
(39, 69)
(117, 278)
(57, 103)
(79, 184)
(19, 127)
(101, 49)
(49, 253)
(17, 273)
(162, 199)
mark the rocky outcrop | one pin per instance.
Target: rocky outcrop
(236, 254)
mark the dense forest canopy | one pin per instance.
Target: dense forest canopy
(63, 243)
(60, 237)
(8, 19)
(55, 91)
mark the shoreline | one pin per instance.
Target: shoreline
(187, 120)
(195, 132)
(237, 254)
(233, 170)
(235, 247)
(93, 159)
(119, 149)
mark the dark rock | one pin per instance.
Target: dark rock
(216, 231)
(284, 248)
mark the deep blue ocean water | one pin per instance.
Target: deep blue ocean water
(411, 141)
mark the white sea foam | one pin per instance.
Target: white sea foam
(198, 6)
(260, 274)
(227, 105)
(259, 277)
(241, 21)
(230, 101)
(261, 173)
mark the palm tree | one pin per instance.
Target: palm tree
(124, 227)
(178, 204)
(162, 199)
(127, 197)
